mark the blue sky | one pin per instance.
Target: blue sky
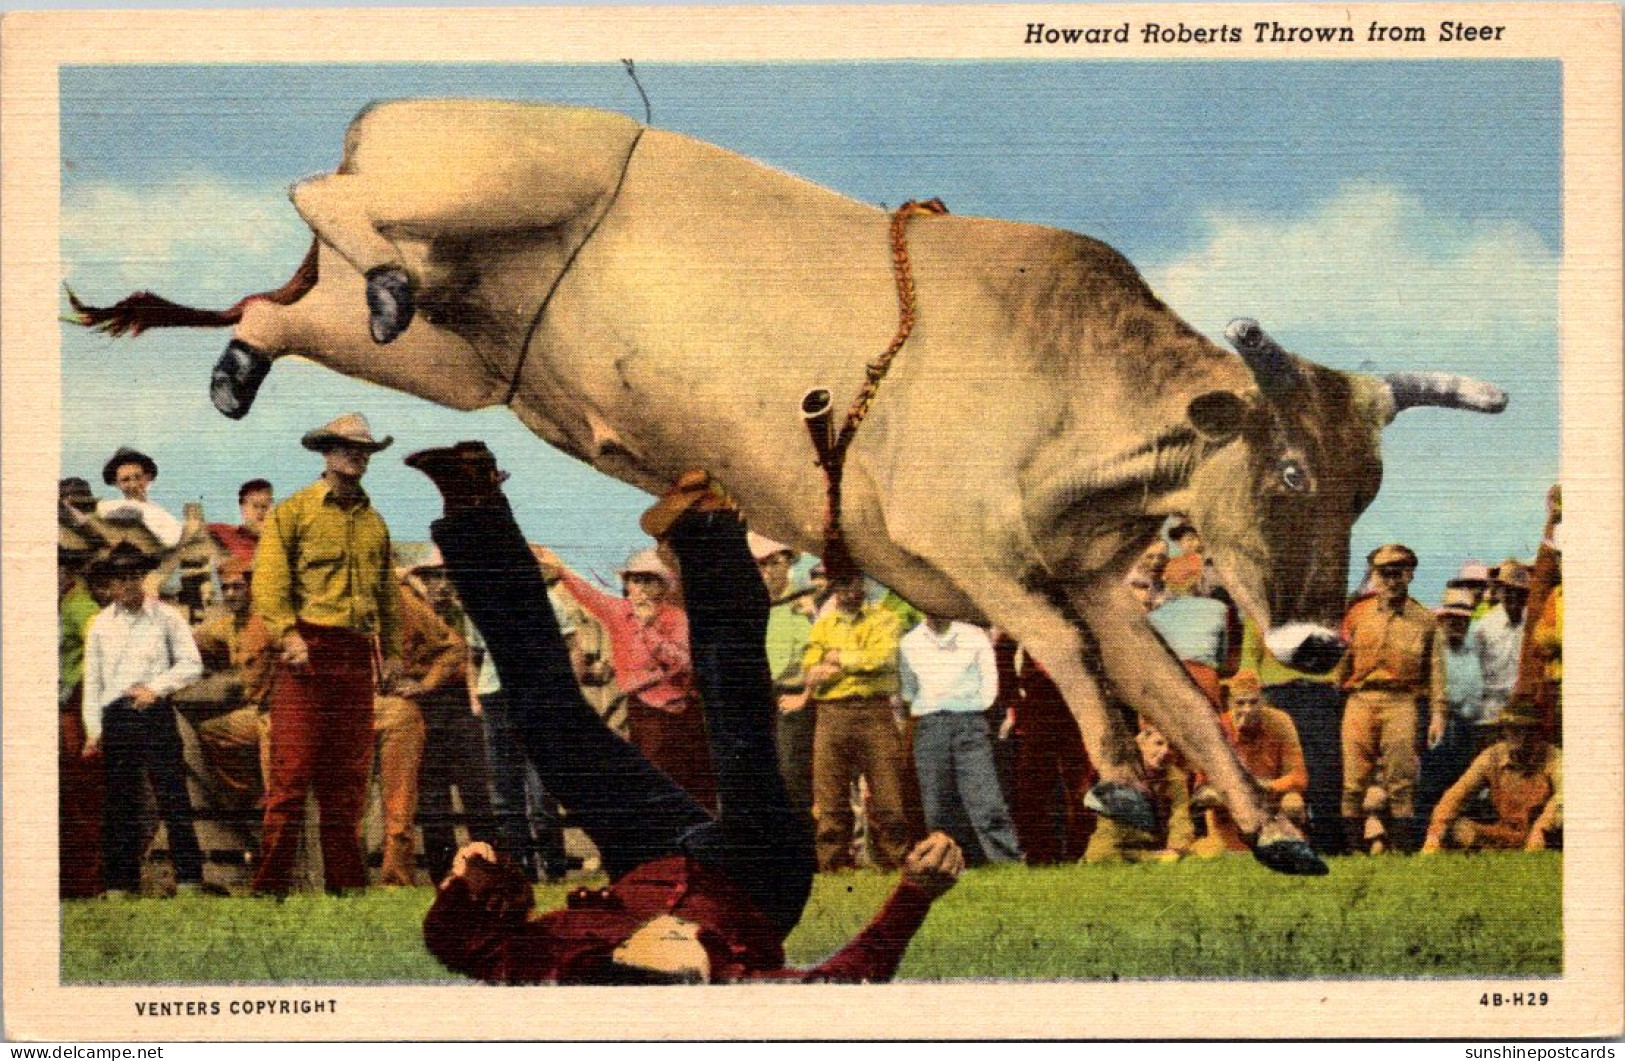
(1375, 216)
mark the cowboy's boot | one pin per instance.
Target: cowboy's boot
(465, 474)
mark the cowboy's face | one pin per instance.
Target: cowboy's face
(254, 508)
(132, 481)
(438, 588)
(849, 594)
(1154, 749)
(126, 591)
(775, 571)
(1527, 744)
(234, 591)
(1394, 581)
(1244, 708)
(346, 461)
(1455, 628)
(644, 590)
(1513, 599)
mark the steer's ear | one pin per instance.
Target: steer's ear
(1217, 415)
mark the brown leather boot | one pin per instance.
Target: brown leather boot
(694, 492)
(465, 474)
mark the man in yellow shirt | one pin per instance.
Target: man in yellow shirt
(326, 591)
(851, 668)
(1395, 666)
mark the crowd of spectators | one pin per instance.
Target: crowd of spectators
(299, 652)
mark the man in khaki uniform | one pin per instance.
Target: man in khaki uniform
(1395, 664)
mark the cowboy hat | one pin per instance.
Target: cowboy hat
(75, 492)
(1458, 600)
(123, 559)
(1393, 553)
(125, 455)
(762, 547)
(348, 430)
(647, 562)
(1512, 574)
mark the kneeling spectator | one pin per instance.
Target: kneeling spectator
(1266, 742)
(1170, 795)
(1523, 774)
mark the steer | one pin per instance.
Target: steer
(650, 303)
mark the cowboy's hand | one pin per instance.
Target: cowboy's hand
(1435, 731)
(477, 849)
(141, 697)
(934, 864)
(295, 653)
(821, 673)
(93, 748)
(548, 561)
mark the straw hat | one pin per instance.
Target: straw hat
(349, 430)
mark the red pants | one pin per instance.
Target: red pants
(321, 740)
(79, 811)
(1052, 776)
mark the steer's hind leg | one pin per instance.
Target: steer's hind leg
(342, 209)
(362, 216)
(1147, 675)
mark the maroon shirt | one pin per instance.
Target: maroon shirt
(480, 925)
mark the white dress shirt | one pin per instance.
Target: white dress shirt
(149, 646)
(951, 672)
(1499, 642)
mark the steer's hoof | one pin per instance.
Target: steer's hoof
(1295, 857)
(236, 379)
(1121, 803)
(389, 302)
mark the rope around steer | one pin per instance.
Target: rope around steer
(837, 557)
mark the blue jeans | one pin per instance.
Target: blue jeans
(632, 811)
(953, 754)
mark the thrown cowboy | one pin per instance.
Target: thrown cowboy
(693, 897)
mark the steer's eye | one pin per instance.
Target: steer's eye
(1293, 477)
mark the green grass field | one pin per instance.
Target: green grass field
(1449, 915)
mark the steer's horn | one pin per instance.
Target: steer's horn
(1410, 389)
(818, 410)
(1273, 369)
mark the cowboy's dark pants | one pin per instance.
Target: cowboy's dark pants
(137, 743)
(632, 811)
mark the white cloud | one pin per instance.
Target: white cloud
(189, 239)
(1371, 274)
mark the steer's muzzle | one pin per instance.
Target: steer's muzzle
(1305, 647)
(236, 379)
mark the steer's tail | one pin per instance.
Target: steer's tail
(143, 310)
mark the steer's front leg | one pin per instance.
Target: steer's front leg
(1153, 682)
